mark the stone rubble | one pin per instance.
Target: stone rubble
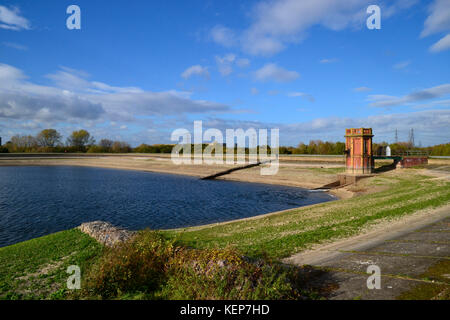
(106, 233)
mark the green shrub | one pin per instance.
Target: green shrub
(151, 267)
(95, 149)
(137, 265)
(233, 278)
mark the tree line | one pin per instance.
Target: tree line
(50, 140)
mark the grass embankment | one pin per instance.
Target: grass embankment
(147, 267)
(36, 269)
(286, 233)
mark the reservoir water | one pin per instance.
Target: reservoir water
(39, 200)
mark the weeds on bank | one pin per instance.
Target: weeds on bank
(152, 267)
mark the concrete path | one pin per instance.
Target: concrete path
(414, 263)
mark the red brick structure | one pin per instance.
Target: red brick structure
(358, 151)
(408, 162)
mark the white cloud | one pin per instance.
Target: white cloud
(362, 89)
(195, 70)
(389, 8)
(73, 98)
(331, 60)
(15, 46)
(103, 87)
(11, 74)
(243, 62)
(10, 19)
(439, 103)
(416, 96)
(277, 23)
(438, 19)
(223, 36)
(254, 91)
(272, 72)
(225, 63)
(441, 45)
(68, 78)
(302, 95)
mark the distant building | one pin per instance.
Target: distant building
(358, 151)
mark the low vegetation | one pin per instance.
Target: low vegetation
(147, 267)
(286, 233)
(152, 267)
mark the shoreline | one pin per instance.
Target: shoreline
(189, 170)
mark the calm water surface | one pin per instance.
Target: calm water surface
(35, 201)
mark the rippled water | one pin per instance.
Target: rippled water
(35, 201)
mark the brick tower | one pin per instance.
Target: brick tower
(358, 151)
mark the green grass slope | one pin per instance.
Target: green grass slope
(36, 269)
(286, 233)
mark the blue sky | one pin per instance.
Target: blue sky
(137, 70)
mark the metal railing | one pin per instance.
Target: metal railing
(416, 153)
